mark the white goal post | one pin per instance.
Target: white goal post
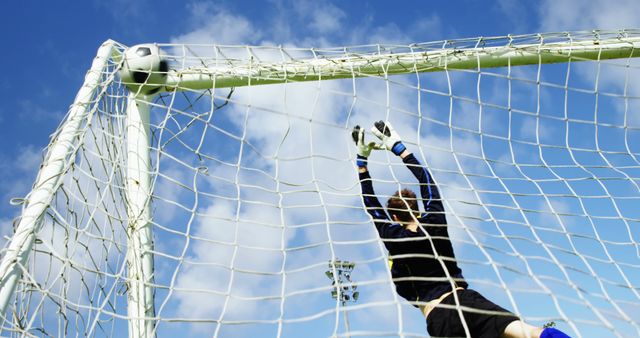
(204, 188)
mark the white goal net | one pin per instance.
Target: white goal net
(235, 210)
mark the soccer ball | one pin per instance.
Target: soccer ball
(144, 71)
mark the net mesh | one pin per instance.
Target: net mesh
(256, 200)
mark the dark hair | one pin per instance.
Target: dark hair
(404, 205)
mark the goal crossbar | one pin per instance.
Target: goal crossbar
(379, 63)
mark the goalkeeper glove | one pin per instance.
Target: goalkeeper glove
(389, 137)
(364, 149)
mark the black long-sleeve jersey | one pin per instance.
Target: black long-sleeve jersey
(417, 257)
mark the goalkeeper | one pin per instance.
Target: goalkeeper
(424, 267)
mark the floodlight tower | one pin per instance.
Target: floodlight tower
(343, 290)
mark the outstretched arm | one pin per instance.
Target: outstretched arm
(374, 208)
(430, 194)
(372, 204)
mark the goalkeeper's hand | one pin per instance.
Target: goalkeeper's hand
(389, 137)
(364, 149)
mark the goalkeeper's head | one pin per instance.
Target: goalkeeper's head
(403, 207)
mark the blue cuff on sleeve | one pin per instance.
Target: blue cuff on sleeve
(551, 332)
(361, 161)
(398, 148)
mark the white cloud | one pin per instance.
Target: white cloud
(570, 15)
(167, 189)
(30, 110)
(377, 30)
(124, 11)
(427, 28)
(6, 230)
(212, 24)
(388, 33)
(223, 239)
(516, 13)
(29, 159)
(19, 173)
(324, 17)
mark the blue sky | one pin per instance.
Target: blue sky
(48, 49)
(49, 46)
